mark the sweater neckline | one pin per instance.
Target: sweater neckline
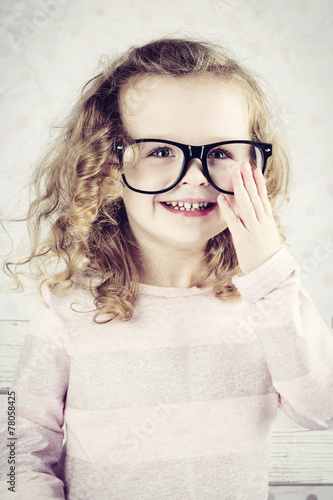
(162, 291)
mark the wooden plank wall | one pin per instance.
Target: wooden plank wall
(298, 456)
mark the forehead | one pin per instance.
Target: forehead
(186, 108)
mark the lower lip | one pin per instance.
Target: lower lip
(190, 213)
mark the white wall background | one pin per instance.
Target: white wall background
(50, 48)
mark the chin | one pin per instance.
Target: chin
(191, 243)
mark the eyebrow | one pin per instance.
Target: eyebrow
(211, 141)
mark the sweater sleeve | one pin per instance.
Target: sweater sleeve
(296, 343)
(38, 394)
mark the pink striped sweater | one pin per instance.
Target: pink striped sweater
(179, 402)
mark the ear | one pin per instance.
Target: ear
(112, 182)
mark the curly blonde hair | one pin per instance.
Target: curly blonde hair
(77, 221)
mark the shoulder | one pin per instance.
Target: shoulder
(67, 304)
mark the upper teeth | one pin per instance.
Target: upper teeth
(180, 205)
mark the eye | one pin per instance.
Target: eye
(162, 152)
(219, 154)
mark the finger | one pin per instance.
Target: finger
(232, 219)
(262, 190)
(252, 190)
(245, 207)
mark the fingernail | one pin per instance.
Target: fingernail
(247, 167)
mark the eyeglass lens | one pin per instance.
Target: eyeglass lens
(158, 165)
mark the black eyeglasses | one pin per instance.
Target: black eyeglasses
(158, 165)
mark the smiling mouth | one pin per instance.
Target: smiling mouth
(188, 207)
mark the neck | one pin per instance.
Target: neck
(170, 269)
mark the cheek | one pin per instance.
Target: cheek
(138, 206)
(129, 205)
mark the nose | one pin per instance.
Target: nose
(194, 174)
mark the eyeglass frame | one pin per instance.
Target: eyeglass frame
(199, 152)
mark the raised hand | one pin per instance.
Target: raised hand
(254, 232)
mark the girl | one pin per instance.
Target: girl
(175, 322)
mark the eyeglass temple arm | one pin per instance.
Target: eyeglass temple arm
(119, 152)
